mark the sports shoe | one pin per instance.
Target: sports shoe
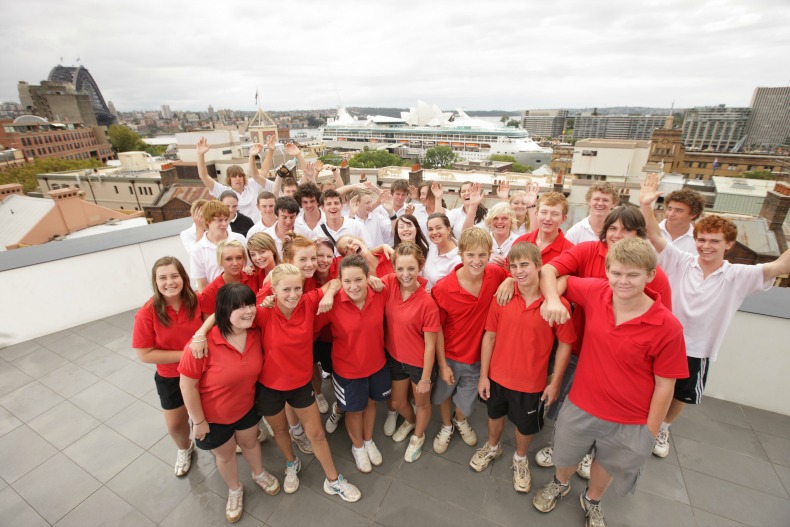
(324, 375)
(291, 480)
(302, 442)
(661, 446)
(267, 482)
(362, 459)
(235, 505)
(403, 431)
(263, 435)
(184, 460)
(373, 453)
(522, 481)
(414, 450)
(546, 499)
(334, 419)
(467, 432)
(390, 423)
(323, 406)
(543, 457)
(442, 440)
(584, 467)
(484, 456)
(594, 512)
(342, 488)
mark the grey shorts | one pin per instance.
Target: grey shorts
(464, 391)
(565, 388)
(622, 450)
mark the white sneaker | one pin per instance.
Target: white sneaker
(342, 488)
(403, 431)
(484, 456)
(324, 375)
(362, 459)
(267, 482)
(334, 419)
(467, 432)
(543, 457)
(235, 505)
(442, 440)
(661, 446)
(184, 460)
(323, 406)
(584, 467)
(522, 480)
(302, 442)
(373, 453)
(414, 450)
(390, 423)
(291, 481)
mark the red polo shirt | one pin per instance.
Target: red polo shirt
(226, 378)
(615, 376)
(208, 297)
(358, 345)
(463, 315)
(408, 320)
(520, 360)
(149, 332)
(383, 268)
(287, 345)
(552, 250)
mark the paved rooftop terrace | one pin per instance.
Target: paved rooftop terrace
(83, 443)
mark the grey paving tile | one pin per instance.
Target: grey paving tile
(58, 336)
(123, 320)
(151, 398)
(31, 400)
(723, 435)
(133, 378)
(70, 346)
(123, 346)
(15, 351)
(150, 486)
(505, 506)
(56, 487)
(3, 484)
(102, 362)
(21, 450)
(768, 422)
(643, 509)
(15, 511)
(306, 507)
(7, 421)
(104, 509)
(777, 448)
(11, 378)
(716, 410)
(140, 423)
(784, 475)
(202, 461)
(102, 400)
(63, 424)
(101, 332)
(664, 479)
(203, 507)
(68, 380)
(706, 519)
(103, 452)
(730, 466)
(734, 501)
(405, 506)
(40, 362)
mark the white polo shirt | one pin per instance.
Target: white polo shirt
(350, 227)
(301, 223)
(684, 242)
(248, 199)
(379, 229)
(705, 306)
(582, 232)
(203, 258)
(437, 266)
(189, 237)
(272, 231)
(504, 248)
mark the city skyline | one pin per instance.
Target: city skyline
(515, 57)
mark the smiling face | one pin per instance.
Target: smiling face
(266, 207)
(286, 220)
(519, 205)
(628, 282)
(406, 230)
(332, 207)
(425, 195)
(438, 232)
(407, 268)
(306, 259)
(324, 259)
(678, 214)
(617, 232)
(169, 282)
(232, 261)
(712, 246)
(550, 218)
(501, 225)
(347, 245)
(309, 204)
(262, 259)
(242, 318)
(288, 291)
(601, 204)
(525, 272)
(355, 283)
(466, 193)
(474, 260)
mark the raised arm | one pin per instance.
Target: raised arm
(202, 149)
(647, 196)
(266, 163)
(475, 199)
(437, 191)
(532, 205)
(778, 267)
(294, 150)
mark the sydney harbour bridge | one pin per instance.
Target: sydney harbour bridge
(82, 80)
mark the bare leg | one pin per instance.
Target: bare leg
(423, 401)
(522, 443)
(281, 437)
(355, 428)
(177, 421)
(291, 415)
(369, 420)
(311, 421)
(400, 399)
(495, 429)
(599, 481)
(459, 416)
(563, 474)
(227, 465)
(446, 412)
(675, 408)
(250, 448)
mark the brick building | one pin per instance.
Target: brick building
(39, 138)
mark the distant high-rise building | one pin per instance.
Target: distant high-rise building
(769, 125)
(165, 112)
(714, 127)
(632, 127)
(210, 113)
(544, 123)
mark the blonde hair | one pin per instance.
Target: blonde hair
(633, 252)
(283, 270)
(409, 249)
(260, 241)
(603, 188)
(196, 205)
(552, 199)
(229, 244)
(475, 237)
(498, 210)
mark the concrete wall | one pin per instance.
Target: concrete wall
(609, 161)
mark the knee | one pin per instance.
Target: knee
(316, 434)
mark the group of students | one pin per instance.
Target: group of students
(408, 303)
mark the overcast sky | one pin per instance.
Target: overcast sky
(476, 55)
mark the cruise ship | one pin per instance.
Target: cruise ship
(427, 126)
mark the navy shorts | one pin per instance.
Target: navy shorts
(353, 394)
(219, 434)
(269, 401)
(689, 390)
(400, 371)
(322, 352)
(169, 390)
(525, 410)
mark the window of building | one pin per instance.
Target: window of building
(590, 153)
(131, 191)
(702, 165)
(116, 188)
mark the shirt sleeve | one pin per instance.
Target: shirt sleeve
(218, 189)
(567, 263)
(670, 360)
(492, 321)
(189, 366)
(565, 332)
(749, 279)
(143, 335)
(431, 322)
(196, 264)
(579, 289)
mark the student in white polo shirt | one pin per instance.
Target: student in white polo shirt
(442, 253)
(601, 198)
(681, 209)
(286, 210)
(203, 259)
(336, 225)
(379, 228)
(707, 290)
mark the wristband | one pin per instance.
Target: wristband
(200, 423)
(425, 380)
(531, 206)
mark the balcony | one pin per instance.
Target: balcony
(82, 440)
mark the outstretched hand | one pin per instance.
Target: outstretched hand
(202, 146)
(649, 190)
(504, 190)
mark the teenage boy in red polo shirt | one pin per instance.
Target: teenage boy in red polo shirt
(552, 212)
(463, 298)
(514, 363)
(632, 352)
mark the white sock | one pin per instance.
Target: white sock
(392, 412)
(368, 442)
(665, 425)
(358, 449)
(494, 447)
(448, 427)
(297, 430)
(516, 457)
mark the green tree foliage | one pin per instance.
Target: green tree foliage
(757, 174)
(513, 123)
(123, 139)
(315, 121)
(375, 159)
(504, 119)
(26, 175)
(517, 167)
(439, 157)
(331, 159)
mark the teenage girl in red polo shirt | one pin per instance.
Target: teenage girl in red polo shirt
(263, 254)
(162, 328)
(231, 256)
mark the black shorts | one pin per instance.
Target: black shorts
(353, 394)
(269, 401)
(690, 390)
(525, 410)
(218, 434)
(400, 371)
(169, 391)
(322, 352)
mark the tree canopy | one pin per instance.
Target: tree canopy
(124, 139)
(757, 174)
(440, 157)
(517, 167)
(26, 175)
(375, 159)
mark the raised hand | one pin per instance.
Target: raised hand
(504, 190)
(414, 192)
(292, 150)
(310, 171)
(202, 146)
(271, 143)
(437, 190)
(532, 193)
(256, 149)
(476, 194)
(410, 208)
(649, 190)
(353, 207)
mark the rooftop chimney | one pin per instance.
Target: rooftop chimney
(10, 189)
(775, 209)
(415, 175)
(69, 206)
